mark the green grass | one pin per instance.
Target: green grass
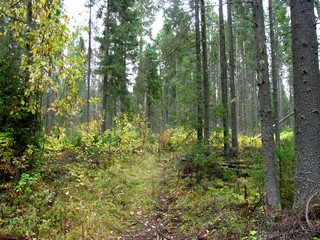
(69, 196)
(87, 201)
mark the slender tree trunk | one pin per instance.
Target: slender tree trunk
(280, 98)
(198, 74)
(255, 105)
(272, 198)
(234, 125)
(206, 92)
(49, 115)
(240, 72)
(224, 83)
(123, 84)
(245, 91)
(306, 86)
(105, 102)
(274, 73)
(317, 3)
(89, 66)
(30, 55)
(28, 45)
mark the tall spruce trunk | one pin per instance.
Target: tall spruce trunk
(206, 92)
(234, 124)
(306, 87)
(272, 198)
(106, 100)
(224, 83)
(89, 65)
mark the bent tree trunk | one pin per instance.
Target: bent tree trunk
(272, 196)
(306, 87)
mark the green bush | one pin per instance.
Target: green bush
(6, 153)
(285, 155)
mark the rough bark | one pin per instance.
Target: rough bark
(234, 124)
(272, 198)
(206, 92)
(306, 87)
(223, 78)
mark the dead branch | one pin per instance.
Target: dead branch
(160, 234)
(308, 207)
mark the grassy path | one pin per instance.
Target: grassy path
(139, 196)
(133, 193)
(111, 203)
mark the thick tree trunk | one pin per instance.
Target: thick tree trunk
(206, 92)
(272, 197)
(224, 84)
(306, 87)
(234, 124)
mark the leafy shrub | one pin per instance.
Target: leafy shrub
(128, 136)
(285, 154)
(199, 164)
(11, 161)
(182, 138)
(6, 153)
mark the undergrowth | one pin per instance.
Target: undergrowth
(121, 184)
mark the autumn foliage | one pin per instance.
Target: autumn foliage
(164, 141)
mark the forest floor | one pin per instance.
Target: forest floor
(143, 194)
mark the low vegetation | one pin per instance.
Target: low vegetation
(121, 184)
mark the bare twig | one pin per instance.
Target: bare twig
(280, 121)
(160, 234)
(308, 207)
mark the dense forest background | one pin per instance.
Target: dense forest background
(225, 97)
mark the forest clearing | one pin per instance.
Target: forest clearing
(207, 127)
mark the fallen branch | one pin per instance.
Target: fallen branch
(160, 234)
(308, 207)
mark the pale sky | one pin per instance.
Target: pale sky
(79, 15)
(76, 11)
